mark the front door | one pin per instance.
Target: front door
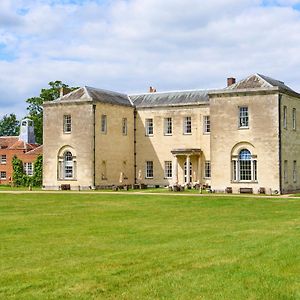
(186, 173)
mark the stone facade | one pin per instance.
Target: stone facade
(240, 138)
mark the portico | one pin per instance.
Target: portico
(186, 157)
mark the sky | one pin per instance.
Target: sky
(129, 45)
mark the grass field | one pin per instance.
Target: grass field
(80, 246)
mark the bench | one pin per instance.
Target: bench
(246, 190)
(228, 190)
(65, 187)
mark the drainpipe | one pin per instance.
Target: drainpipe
(94, 146)
(134, 147)
(279, 140)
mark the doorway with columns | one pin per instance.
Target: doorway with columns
(182, 174)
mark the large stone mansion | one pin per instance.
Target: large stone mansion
(245, 137)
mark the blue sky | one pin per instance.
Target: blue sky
(128, 45)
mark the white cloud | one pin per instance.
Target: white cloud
(129, 45)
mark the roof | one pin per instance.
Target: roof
(258, 81)
(7, 141)
(173, 98)
(13, 143)
(37, 151)
(87, 93)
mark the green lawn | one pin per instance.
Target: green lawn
(93, 246)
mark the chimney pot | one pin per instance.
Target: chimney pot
(231, 81)
(152, 90)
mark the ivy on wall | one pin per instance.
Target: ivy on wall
(19, 176)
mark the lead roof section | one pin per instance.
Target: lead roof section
(176, 98)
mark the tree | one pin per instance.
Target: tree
(19, 176)
(9, 125)
(35, 108)
(18, 171)
(37, 178)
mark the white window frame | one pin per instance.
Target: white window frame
(238, 163)
(206, 124)
(168, 126)
(149, 126)
(207, 169)
(294, 119)
(149, 172)
(68, 166)
(285, 117)
(243, 117)
(28, 168)
(67, 127)
(124, 126)
(3, 159)
(187, 125)
(168, 169)
(103, 124)
(3, 175)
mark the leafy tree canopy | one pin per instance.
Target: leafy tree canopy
(9, 125)
(35, 108)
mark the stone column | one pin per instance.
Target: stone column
(175, 170)
(188, 160)
(199, 169)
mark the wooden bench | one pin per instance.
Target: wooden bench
(65, 187)
(246, 190)
(228, 190)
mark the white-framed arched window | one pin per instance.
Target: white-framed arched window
(66, 164)
(244, 166)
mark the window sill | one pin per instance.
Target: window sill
(187, 133)
(149, 135)
(206, 133)
(243, 127)
(66, 179)
(168, 178)
(67, 132)
(149, 177)
(168, 134)
(245, 181)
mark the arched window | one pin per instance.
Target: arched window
(68, 165)
(244, 166)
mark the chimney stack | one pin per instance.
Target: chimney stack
(230, 81)
(152, 90)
